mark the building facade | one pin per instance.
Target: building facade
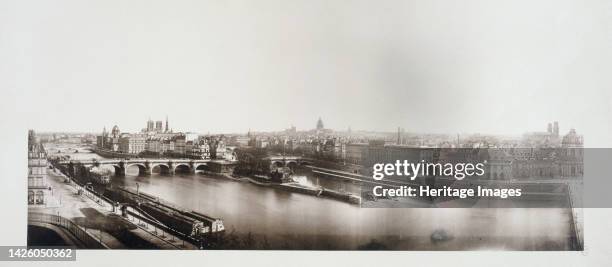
(354, 153)
(38, 188)
(132, 143)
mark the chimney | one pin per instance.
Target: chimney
(399, 138)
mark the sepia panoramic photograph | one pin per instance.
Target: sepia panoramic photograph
(167, 138)
(161, 188)
(254, 127)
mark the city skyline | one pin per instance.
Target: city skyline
(136, 129)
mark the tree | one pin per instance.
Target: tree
(252, 161)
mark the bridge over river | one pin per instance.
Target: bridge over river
(146, 166)
(171, 166)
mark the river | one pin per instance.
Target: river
(296, 221)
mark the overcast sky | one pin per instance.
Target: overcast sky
(227, 66)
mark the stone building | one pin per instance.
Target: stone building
(38, 188)
(179, 144)
(571, 155)
(499, 164)
(354, 153)
(132, 143)
(198, 149)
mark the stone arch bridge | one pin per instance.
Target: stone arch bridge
(147, 166)
(288, 161)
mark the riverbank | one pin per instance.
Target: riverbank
(99, 217)
(112, 154)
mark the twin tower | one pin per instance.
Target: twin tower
(553, 128)
(157, 127)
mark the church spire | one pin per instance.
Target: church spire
(166, 123)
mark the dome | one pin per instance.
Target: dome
(115, 132)
(320, 124)
(572, 139)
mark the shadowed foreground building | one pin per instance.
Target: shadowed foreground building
(38, 189)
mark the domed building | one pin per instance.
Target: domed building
(109, 142)
(571, 155)
(115, 132)
(320, 124)
(572, 139)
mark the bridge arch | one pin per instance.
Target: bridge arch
(142, 168)
(277, 163)
(291, 164)
(161, 168)
(182, 168)
(119, 170)
(201, 167)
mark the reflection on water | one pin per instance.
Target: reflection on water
(301, 221)
(285, 216)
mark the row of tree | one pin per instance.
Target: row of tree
(252, 161)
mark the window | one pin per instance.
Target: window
(40, 197)
(30, 197)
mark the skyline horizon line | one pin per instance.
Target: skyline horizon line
(404, 131)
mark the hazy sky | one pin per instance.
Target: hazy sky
(227, 66)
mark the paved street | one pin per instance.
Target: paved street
(98, 218)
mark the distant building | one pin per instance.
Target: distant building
(241, 141)
(115, 132)
(167, 126)
(572, 140)
(261, 143)
(154, 138)
(219, 151)
(320, 129)
(571, 155)
(292, 131)
(101, 139)
(564, 161)
(198, 149)
(320, 125)
(230, 154)
(549, 129)
(550, 138)
(191, 136)
(112, 141)
(156, 127)
(355, 153)
(499, 164)
(150, 126)
(167, 146)
(179, 144)
(132, 143)
(153, 145)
